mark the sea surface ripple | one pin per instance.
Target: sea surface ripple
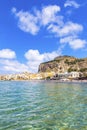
(43, 105)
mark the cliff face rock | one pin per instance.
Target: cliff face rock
(62, 64)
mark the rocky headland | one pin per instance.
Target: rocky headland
(62, 67)
(64, 64)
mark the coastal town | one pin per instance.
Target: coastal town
(45, 76)
(62, 68)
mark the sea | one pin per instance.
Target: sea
(43, 105)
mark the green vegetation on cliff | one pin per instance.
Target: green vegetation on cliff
(63, 64)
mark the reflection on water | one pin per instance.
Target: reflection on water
(43, 105)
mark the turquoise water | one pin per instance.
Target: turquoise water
(43, 105)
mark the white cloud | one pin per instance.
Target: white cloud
(51, 56)
(71, 3)
(26, 21)
(68, 33)
(67, 39)
(12, 66)
(8, 62)
(49, 14)
(31, 23)
(74, 42)
(35, 58)
(69, 28)
(33, 55)
(53, 22)
(7, 53)
(77, 43)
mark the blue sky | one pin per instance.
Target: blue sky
(38, 31)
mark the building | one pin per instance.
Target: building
(75, 74)
(66, 75)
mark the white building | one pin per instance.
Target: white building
(67, 75)
(75, 74)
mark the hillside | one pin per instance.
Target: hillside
(63, 64)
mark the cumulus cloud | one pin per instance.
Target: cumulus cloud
(71, 3)
(54, 23)
(32, 22)
(68, 33)
(69, 28)
(26, 21)
(33, 55)
(74, 42)
(49, 14)
(9, 64)
(77, 43)
(7, 54)
(34, 58)
(12, 66)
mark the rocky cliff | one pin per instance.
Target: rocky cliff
(63, 64)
